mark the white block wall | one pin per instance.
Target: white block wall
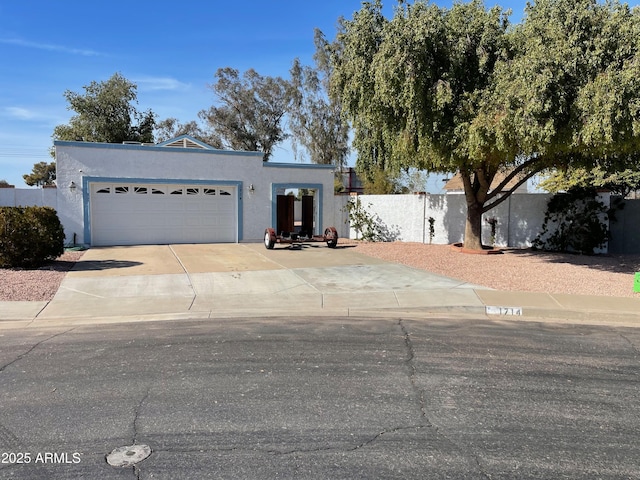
(406, 218)
(28, 197)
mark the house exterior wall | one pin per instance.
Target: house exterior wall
(80, 162)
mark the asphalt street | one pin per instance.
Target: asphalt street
(322, 398)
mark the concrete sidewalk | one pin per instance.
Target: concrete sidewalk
(146, 283)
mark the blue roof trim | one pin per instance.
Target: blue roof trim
(206, 146)
(154, 148)
(298, 165)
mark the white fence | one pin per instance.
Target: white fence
(406, 218)
(28, 197)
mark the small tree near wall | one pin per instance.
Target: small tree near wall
(575, 221)
(362, 221)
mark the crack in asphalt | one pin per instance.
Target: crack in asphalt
(23, 355)
(386, 432)
(410, 364)
(9, 442)
(136, 415)
(633, 345)
(351, 449)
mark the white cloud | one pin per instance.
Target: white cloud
(20, 113)
(50, 47)
(35, 116)
(159, 83)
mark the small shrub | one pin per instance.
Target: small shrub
(362, 221)
(493, 221)
(29, 236)
(432, 229)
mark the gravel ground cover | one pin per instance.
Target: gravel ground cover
(516, 270)
(39, 284)
(522, 270)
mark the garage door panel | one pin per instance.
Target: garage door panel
(128, 214)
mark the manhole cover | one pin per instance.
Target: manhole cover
(128, 456)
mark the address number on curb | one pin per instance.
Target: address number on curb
(516, 311)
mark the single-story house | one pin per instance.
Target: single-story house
(181, 191)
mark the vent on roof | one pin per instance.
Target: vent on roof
(184, 143)
(131, 142)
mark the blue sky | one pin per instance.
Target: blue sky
(170, 50)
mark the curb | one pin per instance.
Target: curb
(526, 314)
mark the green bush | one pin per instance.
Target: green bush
(29, 236)
(575, 222)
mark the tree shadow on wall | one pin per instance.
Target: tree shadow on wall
(367, 224)
(454, 210)
(386, 233)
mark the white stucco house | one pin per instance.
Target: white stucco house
(179, 191)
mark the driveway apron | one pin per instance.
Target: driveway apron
(222, 280)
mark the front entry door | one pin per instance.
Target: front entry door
(285, 214)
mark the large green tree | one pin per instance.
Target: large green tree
(459, 90)
(171, 128)
(315, 119)
(106, 112)
(43, 173)
(250, 111)
(619, 181)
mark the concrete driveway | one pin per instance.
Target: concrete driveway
(226, 280)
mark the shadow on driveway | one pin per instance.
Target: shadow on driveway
(99, 265)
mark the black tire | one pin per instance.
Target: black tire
(269, 238)
(331, 237)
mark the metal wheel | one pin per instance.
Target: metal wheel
(331, 237)
(269, 238)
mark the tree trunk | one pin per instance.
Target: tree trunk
(473, 227)
(475, 192)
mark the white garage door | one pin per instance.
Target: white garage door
(138, 214)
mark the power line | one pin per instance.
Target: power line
(37, 155)
(23, 152)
